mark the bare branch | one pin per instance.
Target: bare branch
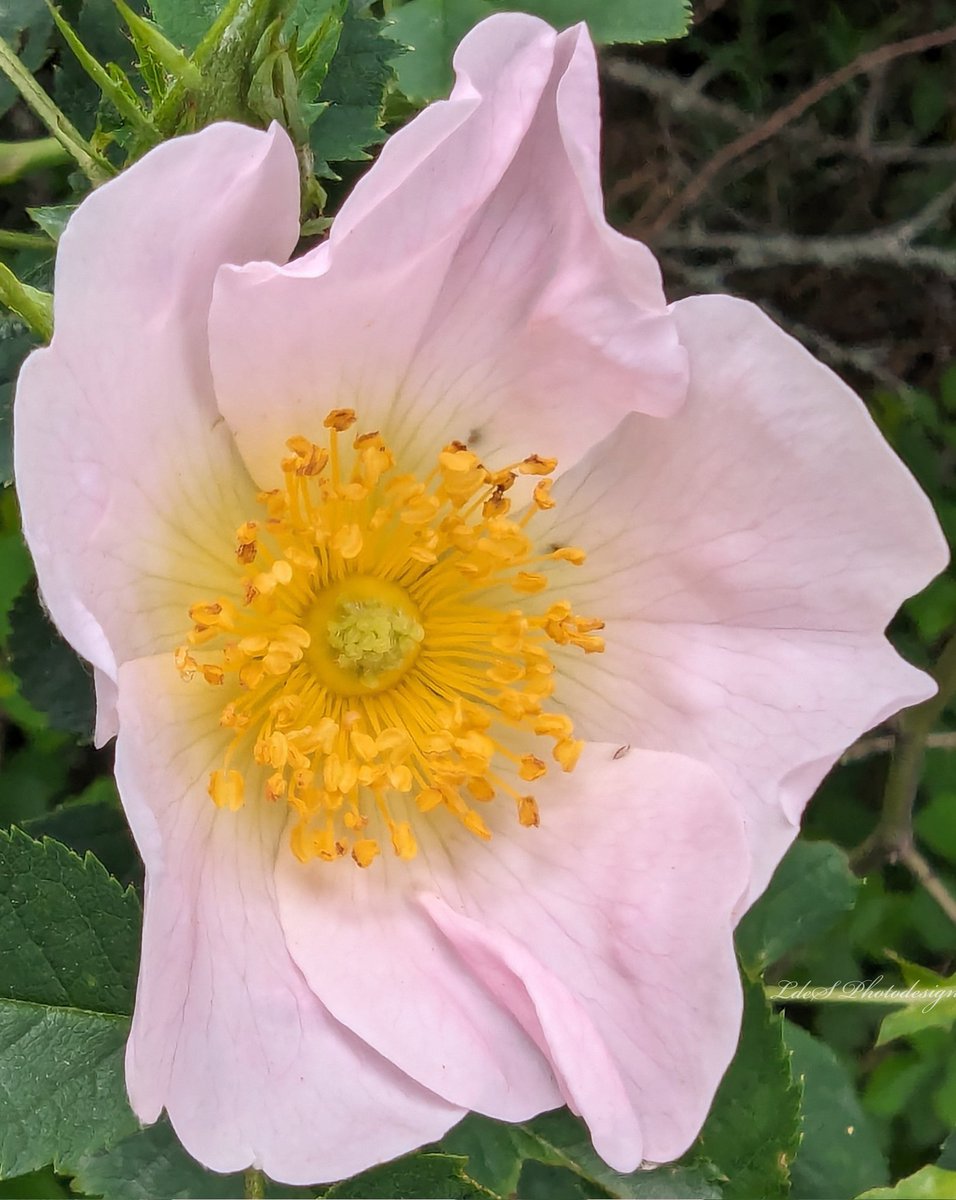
(883, 743)
(889, 247)
(866, 360)
(768, 128)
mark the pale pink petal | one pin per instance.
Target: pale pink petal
(471, 287)
(747, 555)
(593, 931)
(227, 1035)
(130, 485)
(409, 998)
(589, 1079)
(107, 718)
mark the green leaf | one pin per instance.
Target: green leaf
(15, 570)
(93, 823)
(185, 21)
(497, 1152)
(416, 1175)
(52, 678)
(151, 1165)
(923, 1014)
(839, 1153)
(157, 54)
(69, 939)
(26, 26)
(614, 20)
(811, 889)
(114, 85)
(930, 1183)
(564, 1141)
(15, 344)
(37, 1185)
(354, 90)
(33, 307)
(753, 1129)
(52, 218)
(539, 1182)
(431, 29)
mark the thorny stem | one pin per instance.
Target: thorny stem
(253, 1185)
(93, 166)
(892, 839)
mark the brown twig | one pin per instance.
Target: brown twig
(784, 116)
(884, 743)
(685, 98)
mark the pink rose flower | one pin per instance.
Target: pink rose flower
(450, 784)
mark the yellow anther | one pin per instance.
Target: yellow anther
(307, 458)
(206, 614)
(246, 547)
(428, 798)
(571, 554)
(531, 767)
(567, 753)
(457, 457)
(497, 504)
(340, 419)
(186, 665)
(365, 851)
(554, 725)
(542, 495)
(529, 583)
(226, 789)
(255, 645)
(363, 745)
(501, 480)
(348, 541)
(528, 814)
(480, 788)
(534, 464)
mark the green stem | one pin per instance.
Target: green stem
(18, 159)
(31, 305)
(253, 1185)
(93, 166)
(124, 103)
(892, 839)
(808, 993)
(13, 239)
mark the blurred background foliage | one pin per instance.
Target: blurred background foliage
(802, 155)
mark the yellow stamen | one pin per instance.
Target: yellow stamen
(367, 665)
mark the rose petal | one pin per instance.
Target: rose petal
(470, 289)
(130, 486)
(747, 555)
(383, 970)
(226, 1034)
(594, 931)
